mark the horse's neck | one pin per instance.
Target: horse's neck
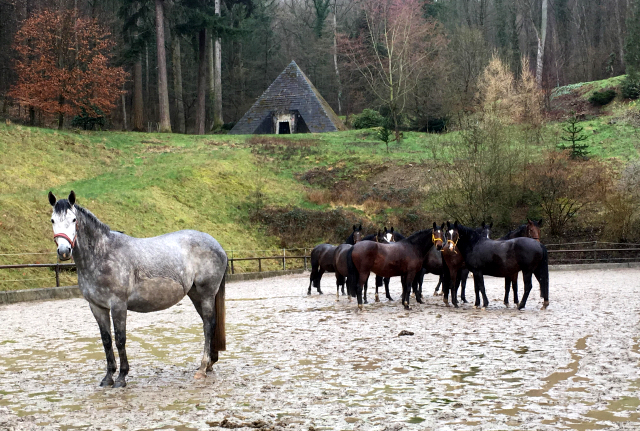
(90, 241)
(423, 242)
(516, 233)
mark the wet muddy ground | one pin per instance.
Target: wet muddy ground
(296, 362)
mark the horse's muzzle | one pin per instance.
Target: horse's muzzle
(64, 252)
(439, 246)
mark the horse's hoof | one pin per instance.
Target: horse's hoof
(545, 304)
(506, 304)
(106, 382)
(465, 301)
(320, 292)
(120, 384)
(476, 307)
(455, 306)
(200, 375)
(520, 306)
(337, 297)
(389, 298)
(309, 292)
(360, 307)
(377, 298)
(419, 301)
(436, 293)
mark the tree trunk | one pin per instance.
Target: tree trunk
(335, 55)
(217, 103)
(124, 109)
(542, 37)
(163, 90)
(211, 87)
(60, 114)
(177, 82)
(138, 99)
(147, 96)
(202, 82)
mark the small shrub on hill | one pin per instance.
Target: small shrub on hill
(367, 119)
(630, 87)
(601, 98)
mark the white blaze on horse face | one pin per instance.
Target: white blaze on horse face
(64, 224)
(389, 237)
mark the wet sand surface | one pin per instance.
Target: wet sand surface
(295, 361)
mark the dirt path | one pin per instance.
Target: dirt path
(295, 361)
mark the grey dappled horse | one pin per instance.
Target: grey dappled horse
(117, 273)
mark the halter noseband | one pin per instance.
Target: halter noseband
(434, 239)
(65, 236)
(453, 247)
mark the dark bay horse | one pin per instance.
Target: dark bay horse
(117, 273)
(458, 272)
(404, 258)
(340, 261)
(389, 236)
(483, 256)
(323, 260)
(529, 230)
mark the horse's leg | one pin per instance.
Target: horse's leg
(415, 284)
(312, 276)
(527, 288)
(386, 288)
(339, 282)
(514, 286)
(102, 317)
(409, 278)
(119, 318)
(435, 292)
(366, 286)
(362, 280)
(478, 283)
(463, 276)
(379, 282)
(507, 288)
(318, 280)
(453, 283)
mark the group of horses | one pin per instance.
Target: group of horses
(450, 253)
(117, 273)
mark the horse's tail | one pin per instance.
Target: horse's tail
(353, 276)
(219, 340)
(542, 274)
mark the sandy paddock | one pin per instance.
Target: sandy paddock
(308, 362)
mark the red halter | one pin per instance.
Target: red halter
(65, 236)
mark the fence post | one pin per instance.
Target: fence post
(57, 274)
(259, 265)
(305, 259)
(284, 261)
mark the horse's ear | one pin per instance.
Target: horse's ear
(391, 229)
(483, 224)
(72, 198)
(455, 224)
(354, 227)
(529, 221)
(360, 227)
(491, 225)
(442, 226)
(52, 199)
(435, 226)
(448, 225)
(540, 223)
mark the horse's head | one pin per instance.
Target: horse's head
(388, 235)
(64, 223)
(485, 230)
(357, 233)
(437, 236)
(533, 229)
(382, 236)
(452, 236)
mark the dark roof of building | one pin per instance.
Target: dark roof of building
(291, 91)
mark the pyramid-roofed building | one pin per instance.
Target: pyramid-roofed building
(291, 104)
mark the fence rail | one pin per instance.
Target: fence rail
(610, 252)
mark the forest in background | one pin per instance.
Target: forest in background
(564, 41)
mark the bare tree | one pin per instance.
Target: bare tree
(163, 89)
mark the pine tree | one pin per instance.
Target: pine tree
(578, 150)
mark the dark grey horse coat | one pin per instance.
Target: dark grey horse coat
(117, 273)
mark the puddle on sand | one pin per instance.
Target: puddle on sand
(560, 376)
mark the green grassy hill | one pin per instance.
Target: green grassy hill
(250, 193)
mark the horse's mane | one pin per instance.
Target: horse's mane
(516, 233)
(418, 237)
(471, 234)
(398, 236)
(63, 205)
(371, 237)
